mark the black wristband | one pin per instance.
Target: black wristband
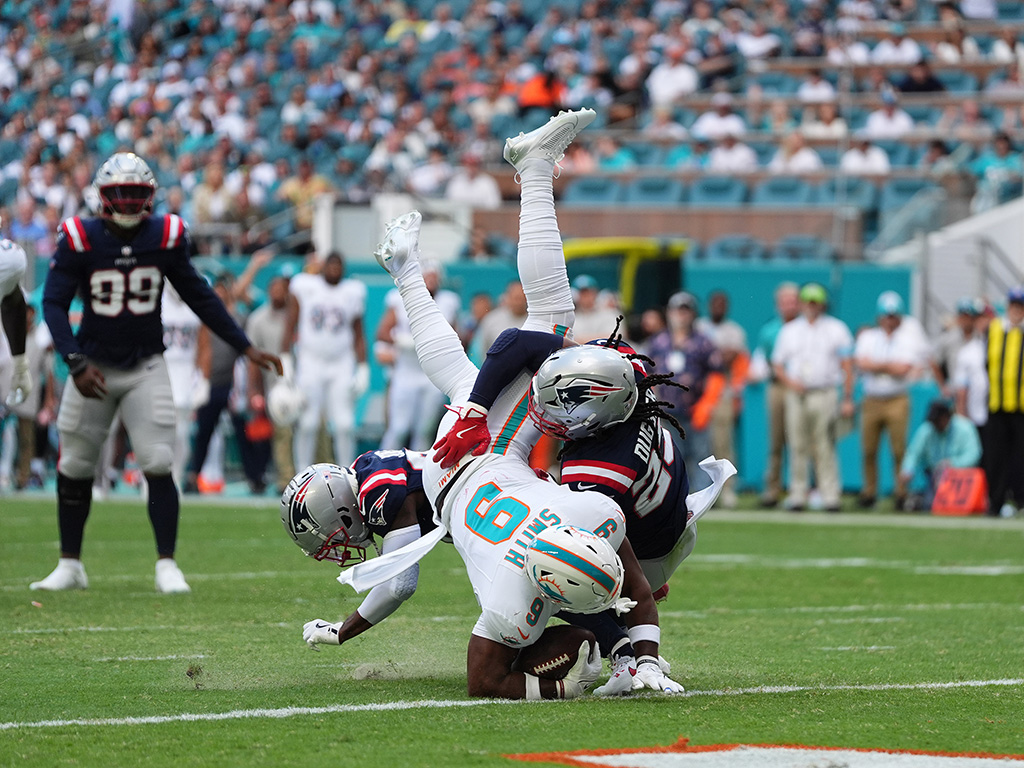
(77, 362)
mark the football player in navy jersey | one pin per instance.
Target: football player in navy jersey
(118, 262)
(332, 513)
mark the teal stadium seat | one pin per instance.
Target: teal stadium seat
(1010, 10)
(646, 153)
(900, 153)
(803, 248)
(858, 192)
(957, 81)
(717, 192)
(735, 247)
(592, 191)
(776, 83)
(655, 192)
(782, 192)
(896, 193)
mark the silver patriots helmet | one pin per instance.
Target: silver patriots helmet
(320, 512)
(126, 188)
(580, 390)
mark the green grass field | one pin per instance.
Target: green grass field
(861, 620)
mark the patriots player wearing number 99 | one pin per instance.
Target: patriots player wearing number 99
(333, 513)
(118, 263)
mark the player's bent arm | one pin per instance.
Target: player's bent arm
(645, 612)
(14, 318)
(291, 324)
(60, 288)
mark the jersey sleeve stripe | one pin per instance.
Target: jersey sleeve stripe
(76, 234)
(172, 231)
(600, 466)
(511, 426)
(381, 477)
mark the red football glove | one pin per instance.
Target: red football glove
(469, 433)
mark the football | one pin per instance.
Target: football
(554, 653)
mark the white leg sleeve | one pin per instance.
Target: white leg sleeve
(384, 599)
(540, 259)
(438, 346)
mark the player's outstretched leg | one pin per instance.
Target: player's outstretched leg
(401, 243)
(438, 347)
(540, 261)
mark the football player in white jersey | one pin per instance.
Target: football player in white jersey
(491, 502)
(414, 404)
(325, 320)
(15, 376)
(188, 389)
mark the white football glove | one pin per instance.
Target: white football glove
(21, 382)
(361, 380)
(623, 605)
(623, 679)
(584, 672)
(319, 631)
(650, 675)
(287, 366)
(200, 393)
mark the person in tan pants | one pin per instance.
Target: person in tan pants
(888, 356)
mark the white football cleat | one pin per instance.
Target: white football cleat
(69, 574)
(169, 578)
(401, 243)
(548, 142)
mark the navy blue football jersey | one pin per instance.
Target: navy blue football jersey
(636, 463)
(121, 285)
(385, 479)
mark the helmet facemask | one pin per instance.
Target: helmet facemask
(126, 188)
(320, 512)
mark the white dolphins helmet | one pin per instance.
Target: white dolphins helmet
(320, 512)
(575, 569)
(580, 390)
(126, 188)
(285, 402)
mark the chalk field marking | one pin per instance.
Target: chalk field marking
(682, 755)
(831, 563)
(910, 607)
(860, 648)
(146, 628)
(241, 714)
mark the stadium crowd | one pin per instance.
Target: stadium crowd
(247, 112)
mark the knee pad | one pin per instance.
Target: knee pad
(74, 491)
(156, 459)
(404, 584)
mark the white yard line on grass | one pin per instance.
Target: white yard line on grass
(145, 628)
(868, 520)
(860, 648)
(831, 563)
(922, 607)
(241, 714)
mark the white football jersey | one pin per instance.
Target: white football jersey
(492, 520)
(326, 314)
(13, 263)
(406, 362)
(181, 329)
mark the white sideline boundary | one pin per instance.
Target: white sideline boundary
(244, 714)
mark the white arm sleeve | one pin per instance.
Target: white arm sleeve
(384, 599)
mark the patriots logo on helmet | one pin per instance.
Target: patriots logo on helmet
(582, 391)
(298, 516)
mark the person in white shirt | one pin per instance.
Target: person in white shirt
(594, 320)
(413, 403)
(823, 123)
(896, 49)
(969, 376)
(718, 122)
(811, 359)
(815, 89)
(731, 156)
(473, 187)
(325, 320)
(758, 43)
(888, 356)
(846, 51)
(890, 121)
(673, 78)
(795, 157)
(864, 159)
(188, 389)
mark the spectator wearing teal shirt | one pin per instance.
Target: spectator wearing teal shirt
(945, 439)
(999, 170)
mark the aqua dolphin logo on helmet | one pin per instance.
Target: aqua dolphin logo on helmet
(581, 392)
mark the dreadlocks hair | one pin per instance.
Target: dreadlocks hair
(647, 405)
